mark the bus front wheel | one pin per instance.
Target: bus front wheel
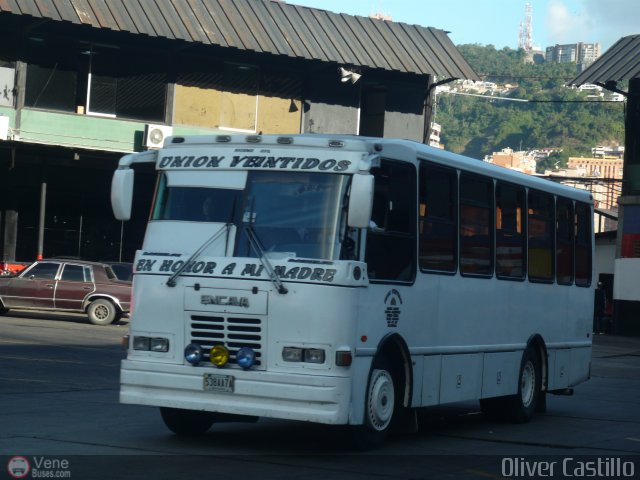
(521, 407)
(380, 405)
(186, 422)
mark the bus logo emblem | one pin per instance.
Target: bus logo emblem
(224, 300)
(392, 300)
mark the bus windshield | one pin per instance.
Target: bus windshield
(296, 214)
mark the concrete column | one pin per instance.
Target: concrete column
(43, 205)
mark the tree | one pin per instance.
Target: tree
(554, 116)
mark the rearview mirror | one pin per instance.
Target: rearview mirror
(122, 193)
(361, 200)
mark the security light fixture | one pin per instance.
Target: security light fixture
(348, 75)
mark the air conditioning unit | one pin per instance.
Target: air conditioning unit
(154, 135)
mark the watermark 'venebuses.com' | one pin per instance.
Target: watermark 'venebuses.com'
(38, 467)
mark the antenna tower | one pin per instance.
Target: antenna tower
(525, 37)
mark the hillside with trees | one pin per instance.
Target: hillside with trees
(554, 116)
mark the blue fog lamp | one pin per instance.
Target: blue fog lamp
(193, 353)
(246, 357)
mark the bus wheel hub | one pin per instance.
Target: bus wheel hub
(381, 400)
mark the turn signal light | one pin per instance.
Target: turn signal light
(344, 358)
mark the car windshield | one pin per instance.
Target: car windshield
(299, 214)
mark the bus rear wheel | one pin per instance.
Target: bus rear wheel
(186, 422)
(521, 407)
(380, 406)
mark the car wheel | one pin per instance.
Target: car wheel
(4, 311)
(101, 312)
(186, 422)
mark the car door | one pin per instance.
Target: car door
(74, 284)
(33, 288)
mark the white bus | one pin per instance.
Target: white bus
(350, 280)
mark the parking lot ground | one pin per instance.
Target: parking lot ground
(59, 397)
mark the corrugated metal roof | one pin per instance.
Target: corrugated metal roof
(267, 26)
(620, 62)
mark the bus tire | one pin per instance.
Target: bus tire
(101, 312)
(521, 407)
(380, 406)
(186, 422)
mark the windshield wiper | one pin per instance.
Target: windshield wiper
(257, 246)
(172, 279)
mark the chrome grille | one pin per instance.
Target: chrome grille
(232, 332)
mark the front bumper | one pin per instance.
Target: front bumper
(313, 398)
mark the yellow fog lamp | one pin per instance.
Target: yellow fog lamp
(219, 355)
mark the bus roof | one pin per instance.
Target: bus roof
(398, 148)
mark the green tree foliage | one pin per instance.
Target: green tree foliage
(554, 116)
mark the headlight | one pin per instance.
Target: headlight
(307, 355)
(292, 354)
(159, 344)
(246, 357)
(314, 355)
(141, 343)
(193, 353)
(152, 344)
(219, 355)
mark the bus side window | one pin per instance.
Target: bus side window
(540, 222)
(510, 238)
(476, 225)
(438, 218)
(583, 245)
(390, 249)
(564, 241)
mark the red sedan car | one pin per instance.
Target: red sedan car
(68, 285)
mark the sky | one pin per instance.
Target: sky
(497, 22)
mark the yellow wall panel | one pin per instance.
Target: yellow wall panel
(197, 106)
(212, 108)
(238, 110)
(274, 115)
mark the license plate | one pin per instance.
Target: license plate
(218, 383)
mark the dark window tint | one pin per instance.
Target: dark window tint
(564, 241)
(44, 270)
(197, 204)
(121, 271)
(139, 97)
(73, 273)
(51, 88)
(510, 238)
(476, 224)
(438, 210)
(391, 238)
(540, 231)
(583, 245)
